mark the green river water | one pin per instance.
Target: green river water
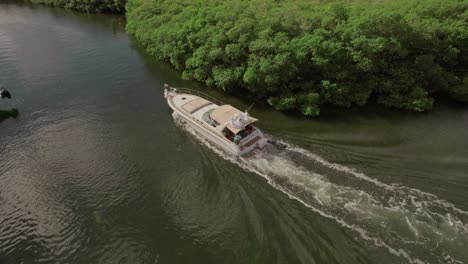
(93, 169)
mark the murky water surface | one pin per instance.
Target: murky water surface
(94, 170)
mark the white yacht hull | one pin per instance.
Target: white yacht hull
(204, 133)
(192, 109)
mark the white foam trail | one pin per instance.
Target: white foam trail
(244, 165)
(329, 200)
(415, 231)
(362, 176)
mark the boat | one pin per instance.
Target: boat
(221, 124)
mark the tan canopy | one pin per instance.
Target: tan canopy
(196, 104)
(224, 114)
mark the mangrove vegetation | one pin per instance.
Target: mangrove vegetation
(302, 54)
(299, 55)
(89, 6)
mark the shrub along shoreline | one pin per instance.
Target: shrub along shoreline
(298, 55)
(89, 6)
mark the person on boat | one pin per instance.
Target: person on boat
(237, 139)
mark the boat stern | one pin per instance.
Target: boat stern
(253, 144)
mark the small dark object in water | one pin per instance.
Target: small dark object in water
(4, 93)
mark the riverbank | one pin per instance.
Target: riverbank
(301, 55)
(304, 55)
(89, 6)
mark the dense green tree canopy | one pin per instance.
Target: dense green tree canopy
(90, 6)
(301, 54)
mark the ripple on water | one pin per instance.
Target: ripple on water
(50, 174)
(417, 226)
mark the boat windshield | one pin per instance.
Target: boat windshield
(206, 117)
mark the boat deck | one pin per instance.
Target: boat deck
(181, 99)
(193, 105)
(251, 142)
(200, 112)
(210, 118)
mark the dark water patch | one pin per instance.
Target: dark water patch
(5, 114)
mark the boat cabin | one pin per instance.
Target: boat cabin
(234, 124)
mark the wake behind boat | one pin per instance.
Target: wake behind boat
(221, 124)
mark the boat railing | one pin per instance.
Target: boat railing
(194, 92)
